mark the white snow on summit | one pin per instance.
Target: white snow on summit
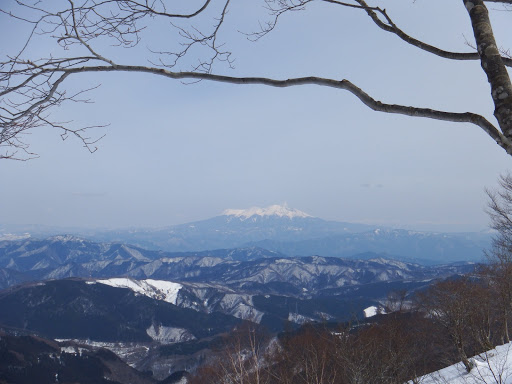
(156, 289)
(273, 210)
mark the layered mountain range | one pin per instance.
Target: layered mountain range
(68, 256)
(246, 283)
(167, 326)
(162, 311)
(294, 233)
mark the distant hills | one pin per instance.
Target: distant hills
(420, 247)
(239, 282)
(295, 233)
(68, 256)
(157, 309)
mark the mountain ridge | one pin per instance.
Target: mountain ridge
(296, 233)
(68, 256)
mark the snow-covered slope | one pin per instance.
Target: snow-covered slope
(491, 367)
(372, 311)
(156, 289)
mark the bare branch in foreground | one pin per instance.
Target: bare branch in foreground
(31, 88)
(465, 117)
(389, 26)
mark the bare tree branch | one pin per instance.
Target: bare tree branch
(466, 117)
(31, 88)
(279, 7)
(390, 26)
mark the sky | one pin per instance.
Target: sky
(176, 153)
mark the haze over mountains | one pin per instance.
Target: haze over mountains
(234, 228)
(294, 233)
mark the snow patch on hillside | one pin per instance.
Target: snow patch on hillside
(273, 210)
(156, 289)
(169, 335)
(371, 311)
(13, 236)
(298, 318)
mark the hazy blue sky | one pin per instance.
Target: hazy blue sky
(176, 153)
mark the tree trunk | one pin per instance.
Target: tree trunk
(492, 64)
(505, 326)
(465, 360)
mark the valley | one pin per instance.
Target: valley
(164, 312)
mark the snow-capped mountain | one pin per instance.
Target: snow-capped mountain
(296, 233)
(232, 229)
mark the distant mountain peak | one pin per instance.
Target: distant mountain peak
(66, 238)
(273, 210)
